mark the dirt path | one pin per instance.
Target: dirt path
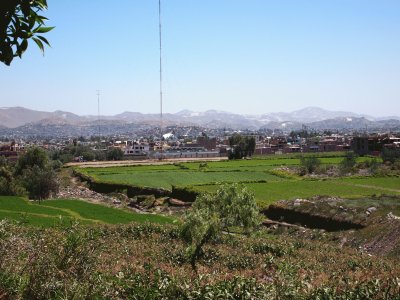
(100, 164)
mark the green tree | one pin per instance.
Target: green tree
(231, 206)
(8, 184)
(390, 154)
(250, 145)
(241, 146)
(348, 162)
(115, 154)
(39, 182)
(309, 164)
(20, 20)
(35, 173)
(34, 156)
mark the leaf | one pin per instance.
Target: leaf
(39, 43)
(44, 40)
(22, 48)
(43, 29)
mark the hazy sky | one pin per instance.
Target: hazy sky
(248, 57)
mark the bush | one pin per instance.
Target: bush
(39, 182)
(348, 163)
(309, 164)
(230, 206)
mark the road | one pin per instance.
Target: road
(101, 164)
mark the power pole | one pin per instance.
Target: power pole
(98, 112)
(161, 78)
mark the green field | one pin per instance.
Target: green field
(256, 174)
(58, 212)
(267, 193)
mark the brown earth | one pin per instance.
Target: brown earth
(100, 164)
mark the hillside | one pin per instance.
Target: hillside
(24, 120)
(149, 262)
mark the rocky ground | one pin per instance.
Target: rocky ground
(75, 189)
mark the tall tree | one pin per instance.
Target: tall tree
(20, 20)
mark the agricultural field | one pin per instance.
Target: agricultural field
(259, 175)
(267, 193)
(60, 212)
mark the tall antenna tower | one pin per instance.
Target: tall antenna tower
(161, 77)
(98, 111)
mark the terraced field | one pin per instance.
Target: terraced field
(256, 174)
(267, 193)
(58, 212)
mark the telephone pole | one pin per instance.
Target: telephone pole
(161, 77)
(98, 112)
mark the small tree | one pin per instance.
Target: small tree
(115, 154)
(34, 172)
(34, 156)
(211, 214)
(309, 164)
(348, 163)
(8, 184)
(39, 182)
(390, 155)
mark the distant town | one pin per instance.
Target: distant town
(200, 142)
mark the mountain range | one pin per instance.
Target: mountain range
(313, 117)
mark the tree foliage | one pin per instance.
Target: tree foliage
(348, 162)
(231, 206)
(39, 182)
(34, 171)
(20, 20)
(34, 156)
(309, 164)
(242, 146)
(8, 185)
(115, 154)
(390, 154)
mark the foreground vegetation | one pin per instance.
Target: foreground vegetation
(150, 262)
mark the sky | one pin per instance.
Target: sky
(247, 57)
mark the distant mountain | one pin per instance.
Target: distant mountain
(12, 117)
(314, 117)
(310, 114)
(354, 123)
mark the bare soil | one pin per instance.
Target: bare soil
(101, 164)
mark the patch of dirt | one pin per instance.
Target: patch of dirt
(75, 189)
(381, 239)
(101, 164)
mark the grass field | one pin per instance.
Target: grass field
(255, 174)
(267, 193)
(58, 212)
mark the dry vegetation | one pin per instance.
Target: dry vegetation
(149, 262)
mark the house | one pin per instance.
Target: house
(136, 149)
(11, 150)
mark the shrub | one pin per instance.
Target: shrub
(309, 164)
(230, 206)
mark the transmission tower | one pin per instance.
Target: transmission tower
(161, 77)
(98, 113)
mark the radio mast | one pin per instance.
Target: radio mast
(161, 77)
(98, 113)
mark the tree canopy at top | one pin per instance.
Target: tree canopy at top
(20, 20)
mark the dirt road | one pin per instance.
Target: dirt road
(101, 164)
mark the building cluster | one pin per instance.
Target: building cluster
(195, 142)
